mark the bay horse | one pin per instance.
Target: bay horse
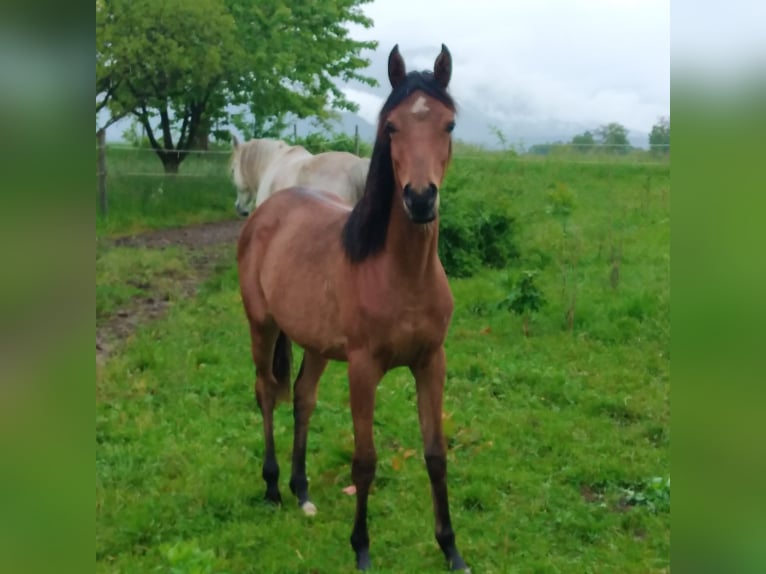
(363, 285)
(261, 167)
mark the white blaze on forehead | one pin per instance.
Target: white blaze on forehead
(420, 107)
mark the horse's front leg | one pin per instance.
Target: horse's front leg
(363, 378)
(429, 378)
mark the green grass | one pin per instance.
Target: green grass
(559, 444)
(124, 272)
(140, 197)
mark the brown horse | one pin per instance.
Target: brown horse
(362, 285)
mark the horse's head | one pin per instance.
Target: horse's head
(249, 162)
(244, 194)
(419, 126)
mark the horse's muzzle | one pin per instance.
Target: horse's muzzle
(421, 205)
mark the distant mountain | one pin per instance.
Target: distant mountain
(477, 128)
(346, 124)
(474, 125)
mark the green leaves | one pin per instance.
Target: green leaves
(524, 296)
(653, 493)
(187, 63)
(613, 137)
(659, 138)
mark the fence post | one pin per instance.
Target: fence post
(356, 138)
(295, 134)
(101, 143)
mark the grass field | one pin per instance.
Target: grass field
(559, 443)
(140, 197)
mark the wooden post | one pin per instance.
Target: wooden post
(101, 166)
(356, 138)
(295, 134)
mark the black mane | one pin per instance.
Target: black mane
(364, 234)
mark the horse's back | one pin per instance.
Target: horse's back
(341, 173)
(290, 257)
(295, 223)
(297, 199)
(282, 172)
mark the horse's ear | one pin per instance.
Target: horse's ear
(396, 69)
(443, 67)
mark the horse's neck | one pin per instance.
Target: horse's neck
(412, 248)
(268, 152)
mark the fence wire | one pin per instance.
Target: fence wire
(605, 154)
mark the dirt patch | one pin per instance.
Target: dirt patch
(210, 246)
(194, 236)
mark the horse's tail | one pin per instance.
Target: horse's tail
(281, 366)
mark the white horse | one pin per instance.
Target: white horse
(261, 167)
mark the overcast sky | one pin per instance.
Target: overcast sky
(533, 64)
(539, 70)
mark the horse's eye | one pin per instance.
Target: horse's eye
(450, 127)
(390, 128)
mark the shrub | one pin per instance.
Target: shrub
(319, 142)
(475, 232)
(524, 298)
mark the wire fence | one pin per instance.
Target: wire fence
(600, 153)
(116, 160)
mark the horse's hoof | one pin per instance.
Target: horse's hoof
(274, 498)
(459, 565)
(363, 560)
(308, 508)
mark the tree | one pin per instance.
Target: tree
(614, 137)
(584, 142)
(659, 137)
(545, 148)
(180, 66)
(107, 78)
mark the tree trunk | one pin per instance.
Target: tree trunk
(101, 167)
(171, 161)
(202, 136)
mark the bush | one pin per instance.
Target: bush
(524, 297)
(472, 237)
(319, 142)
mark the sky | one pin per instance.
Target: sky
(536, 69)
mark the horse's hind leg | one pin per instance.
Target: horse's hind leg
(266, 391)
(429, 378)
(304, 401)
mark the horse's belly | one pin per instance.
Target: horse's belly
(313, 324)
(300, 271)
(329, 345)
